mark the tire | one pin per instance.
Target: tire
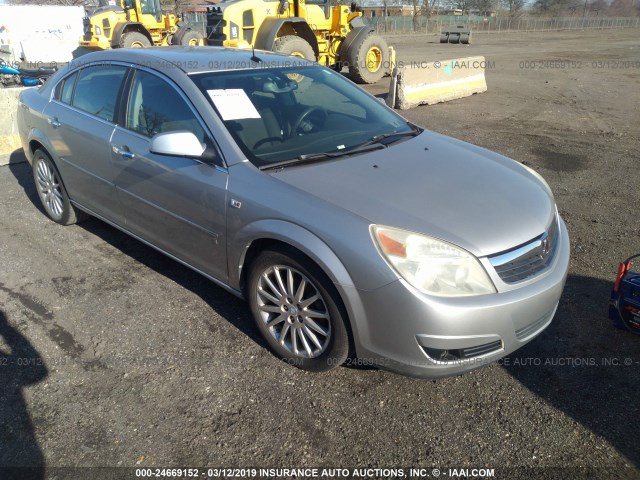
(444, 38)
(368, 61)
(134, 40)
(465, 38)
(280, 316)
(294, 46)
(51, 191)
(454, 38)
(190, 38)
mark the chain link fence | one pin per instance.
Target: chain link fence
(407, 24)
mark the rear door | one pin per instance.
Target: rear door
(175, 203)
(80, 124)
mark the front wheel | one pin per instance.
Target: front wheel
(297, 311)
(52, 193)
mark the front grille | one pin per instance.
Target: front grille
(528, 260)
(215, 26)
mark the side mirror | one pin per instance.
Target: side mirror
(180, 143)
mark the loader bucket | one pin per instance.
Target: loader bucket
(456, 34)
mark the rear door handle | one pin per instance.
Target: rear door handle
(123, 152)
(54, 122)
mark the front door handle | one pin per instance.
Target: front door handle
(123, 152)
(54, 122)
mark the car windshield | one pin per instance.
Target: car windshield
(282, 114)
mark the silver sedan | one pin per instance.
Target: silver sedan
(352, 233)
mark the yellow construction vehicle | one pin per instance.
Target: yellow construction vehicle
(134, 23)
(333, 35)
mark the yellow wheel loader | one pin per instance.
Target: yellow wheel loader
(134, 24)
(335, 36)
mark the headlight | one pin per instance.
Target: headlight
(98, 31)
(432, 266)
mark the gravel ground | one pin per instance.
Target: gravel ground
(133, 360)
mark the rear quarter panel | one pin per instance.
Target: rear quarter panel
(30, 120)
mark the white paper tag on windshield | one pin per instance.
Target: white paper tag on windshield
(233, 104)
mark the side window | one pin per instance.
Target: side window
(97, 90)
(155, 106)
(65, 84)
(67, 88)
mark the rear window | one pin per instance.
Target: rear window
(97, 90)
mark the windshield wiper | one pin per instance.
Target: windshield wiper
(378, 138)
(318, 157)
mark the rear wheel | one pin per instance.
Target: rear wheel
(134, 40)
(369, 60)
(297, 311)
(51, 191)
(294, 46)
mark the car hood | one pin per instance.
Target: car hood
(439, 186)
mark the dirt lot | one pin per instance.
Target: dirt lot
(142, 362)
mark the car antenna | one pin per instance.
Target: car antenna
(254, 58)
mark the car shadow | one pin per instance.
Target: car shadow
(228, 306)
(586, 367)
(233, 309)
(21, 170)
(20, 366)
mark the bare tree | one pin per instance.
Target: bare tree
(464, 5)
(514, 7)
(624, 7)
(550, 6)
(429, 7)
(484, 7)
(417, 8)
(597, 7)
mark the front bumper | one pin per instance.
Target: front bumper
(403, 330)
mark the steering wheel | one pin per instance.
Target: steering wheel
(268, 139)
(304, 115)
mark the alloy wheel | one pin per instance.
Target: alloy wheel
(49, 189)
(294, 311)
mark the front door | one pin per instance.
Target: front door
(175, 203)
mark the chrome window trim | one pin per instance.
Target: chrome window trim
(77, 70)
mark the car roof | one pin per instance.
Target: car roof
(195, 59)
